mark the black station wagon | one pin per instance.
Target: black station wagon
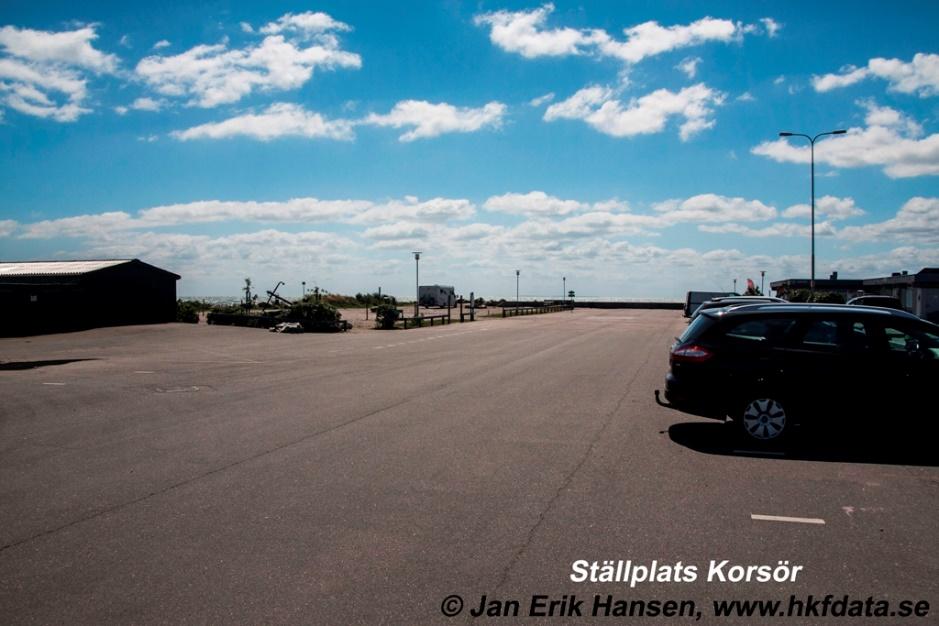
(771, 367)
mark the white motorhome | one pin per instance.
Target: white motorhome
(436, 295)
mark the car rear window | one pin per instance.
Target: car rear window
(696, 328)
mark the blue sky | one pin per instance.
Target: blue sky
(631, 147)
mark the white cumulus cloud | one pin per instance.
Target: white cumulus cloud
(600, 108)
(523, 32)
(428, 119)
(46, 74)
(919, 76)
(526, 33)
(689, 66)
(7, 227)
(890, 140)
(710, 207)
(533, 203)
(832, 207)
(210, 75)
(916, 221)
(309, 24)
(278, 120)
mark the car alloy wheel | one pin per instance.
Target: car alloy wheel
(764, 419)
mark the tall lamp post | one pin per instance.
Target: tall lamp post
(517, 272)
(762, 276)
(812, 141)
(564, 289)
(417, 284)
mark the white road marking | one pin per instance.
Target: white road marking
(55, 384)
(782, 518)
(760, 452)
(144, 372)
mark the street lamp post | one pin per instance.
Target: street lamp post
(517, 272)
(303, 293)
(564, 289)
(812, 143)
(417, 284)
(762, 276)
(735, 286)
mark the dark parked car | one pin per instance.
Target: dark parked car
(888, 302)
(772, 366)
(726, 301)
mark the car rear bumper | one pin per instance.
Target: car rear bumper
(692, 399)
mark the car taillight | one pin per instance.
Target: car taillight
(691, 353)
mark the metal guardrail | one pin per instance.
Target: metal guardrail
(535, 310)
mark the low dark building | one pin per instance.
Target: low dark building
(48, 296)
(846, 287)
(919, 292)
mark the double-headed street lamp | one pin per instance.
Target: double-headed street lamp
(812, 142)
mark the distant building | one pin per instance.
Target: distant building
(48, 296)
(919, 292)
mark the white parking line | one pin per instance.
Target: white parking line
(144, 372)
(55, 384)
(781, 518)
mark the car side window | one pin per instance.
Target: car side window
(761, 329)
(860, 337)
(899, 339)
(819, 334)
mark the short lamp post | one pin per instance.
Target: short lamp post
(812, 141)
(417, 283)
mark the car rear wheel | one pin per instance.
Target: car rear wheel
(764, 420)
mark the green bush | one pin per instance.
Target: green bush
(315, 316)
(804, 295)
(829, 297)
(187, 311)
(386, 315)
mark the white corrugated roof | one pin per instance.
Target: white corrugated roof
(55, 268)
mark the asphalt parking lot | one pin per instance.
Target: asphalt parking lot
(194, 474)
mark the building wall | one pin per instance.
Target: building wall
(927, 303)
(125, 295)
